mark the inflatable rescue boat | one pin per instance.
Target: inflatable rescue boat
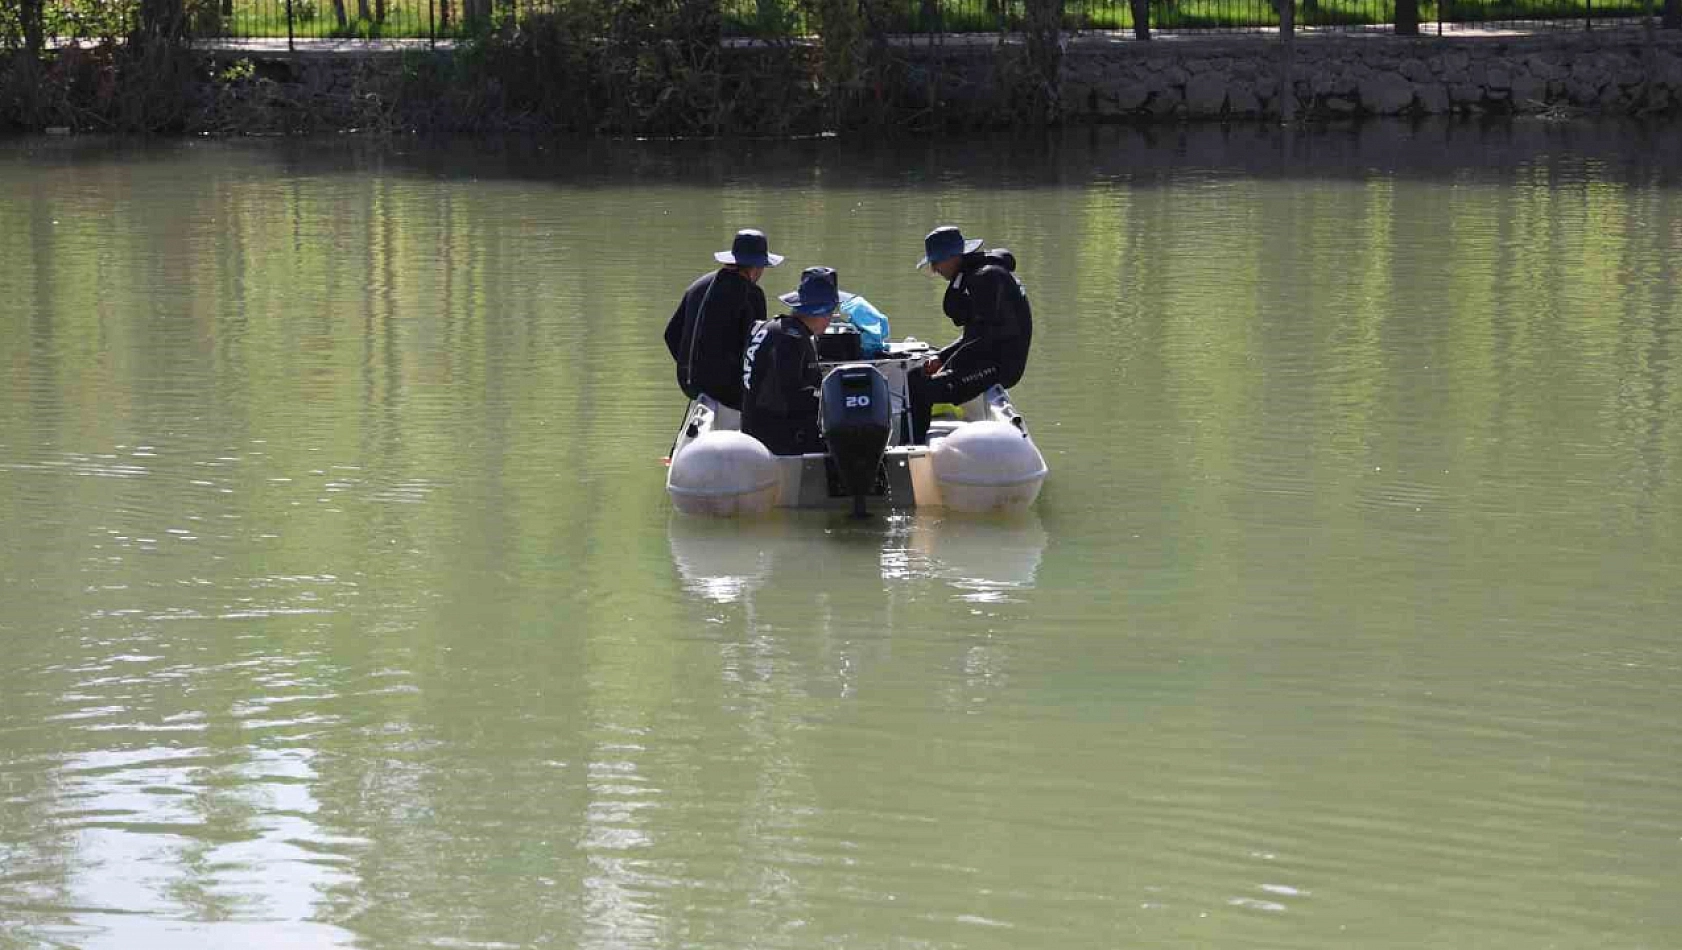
(978, 459)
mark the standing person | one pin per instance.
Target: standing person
(780, 372)
(985, 299)
(710, 327)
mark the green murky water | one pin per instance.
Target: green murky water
(341, 603)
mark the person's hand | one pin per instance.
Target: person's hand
(931, 366)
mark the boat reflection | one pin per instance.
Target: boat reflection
(985, 560)
(725, 561)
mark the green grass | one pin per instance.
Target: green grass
(404, 19)
(1503, 10)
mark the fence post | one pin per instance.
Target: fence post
(1649, 53)
(1287, 57)
(1407, 18)
(1588, 16)
(431, 27)
(289, 47)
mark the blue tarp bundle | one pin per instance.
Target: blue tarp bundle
(872, 324)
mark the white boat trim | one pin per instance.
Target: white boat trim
(716, 492)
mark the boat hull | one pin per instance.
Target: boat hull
(981, 460)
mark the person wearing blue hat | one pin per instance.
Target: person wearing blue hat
(780, 372)
(706, 333)
(987, 301)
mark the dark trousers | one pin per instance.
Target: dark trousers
(944, 387)
(726, 393)
(784, 435)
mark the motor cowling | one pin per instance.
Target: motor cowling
(857, 418)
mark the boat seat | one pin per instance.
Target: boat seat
(940, 428)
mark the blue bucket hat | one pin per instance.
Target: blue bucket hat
(820, 292)
(943, 242)
(749, 249)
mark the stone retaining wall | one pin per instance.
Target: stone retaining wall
(1623, 71)
(962, 84)
(1614, 72)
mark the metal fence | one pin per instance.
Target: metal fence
(432, 21)
(1175, 16)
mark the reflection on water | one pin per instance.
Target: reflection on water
(725, 561)
(174, 800)
(341, 603)
(983, 559)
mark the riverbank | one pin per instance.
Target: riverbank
(541, 84)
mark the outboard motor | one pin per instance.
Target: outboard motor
(857, 417)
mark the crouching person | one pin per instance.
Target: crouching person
(780, 373)
(984, 299)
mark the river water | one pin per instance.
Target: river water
(341, 604)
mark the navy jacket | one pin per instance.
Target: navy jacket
(781, 376)
(707, 332)
(988, 302)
